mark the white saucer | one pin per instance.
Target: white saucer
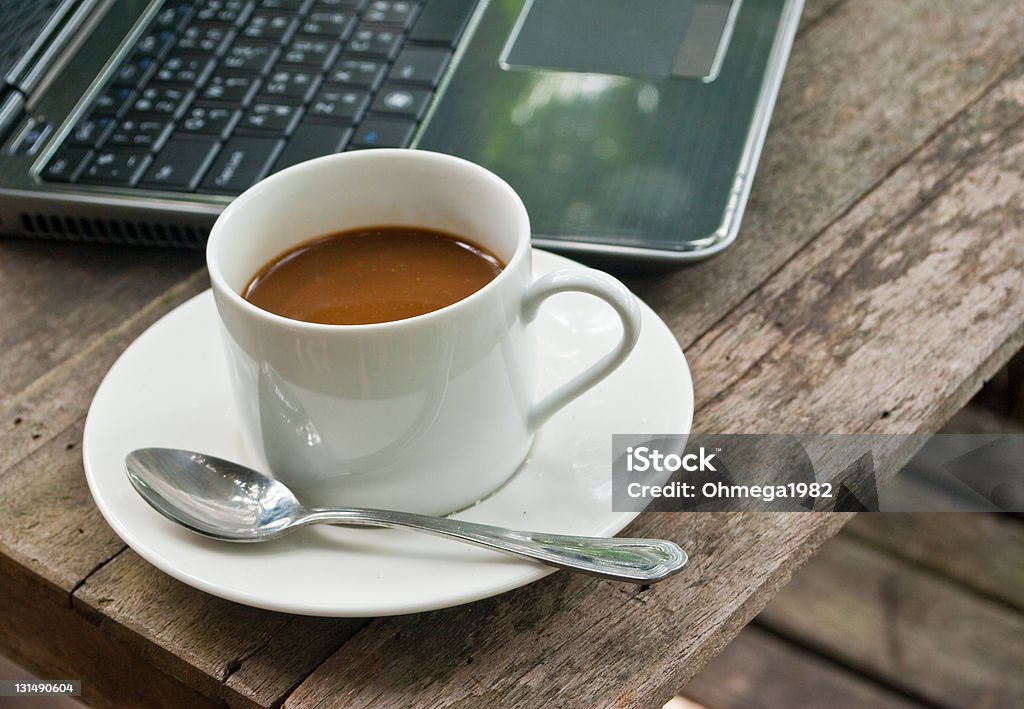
(170, 388)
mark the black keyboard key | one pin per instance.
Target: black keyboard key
(291, 86)
(270, 26)
(208, 40)
(180, 68)
(335, 5)
(339, 106)
(402, 100)
(140, 132)
(275, 118)
(442, 22)
(166, 101)
(358, 73)
(180, 165)
(376, 42)
(391, 12)
(311, 140)
(135, 72)
(296, 7)
(209, 120)
(420, 65)
(378, 132)
(224, 12)
(113, 101)
(241, 163)
(67, 164)
(116, 167)
(250, 57)
(231, 88)
(174, 15)
(92, 131)
(309, 52)
(154, 43)
(336, 25)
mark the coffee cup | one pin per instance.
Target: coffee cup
(426, 414)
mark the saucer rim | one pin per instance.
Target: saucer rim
(525, 572)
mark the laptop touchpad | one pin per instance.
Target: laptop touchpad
(655, 38)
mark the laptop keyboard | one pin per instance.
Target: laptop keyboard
(217, 94)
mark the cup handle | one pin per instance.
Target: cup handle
(608, 289)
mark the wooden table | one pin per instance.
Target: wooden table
(878, 280)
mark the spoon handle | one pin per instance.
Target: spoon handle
(621, 559)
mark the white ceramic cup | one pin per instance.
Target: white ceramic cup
(427, 414)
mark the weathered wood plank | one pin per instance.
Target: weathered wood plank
(268, 675)
(568, 640)
(61, 542)
(984, 552)
(916, 630)
(842, 338)
(51, 530)
(55, 642)
(202, 640)
(57, 399)
(758, 670)
(58, 297)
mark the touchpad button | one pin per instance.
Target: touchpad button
(654, 38)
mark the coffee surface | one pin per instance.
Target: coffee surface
(371, 275)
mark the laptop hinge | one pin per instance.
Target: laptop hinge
(54, 38)
(12, 107)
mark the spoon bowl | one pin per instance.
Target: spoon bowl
(228, 501)
(212, 496)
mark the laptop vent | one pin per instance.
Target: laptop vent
(112, 231)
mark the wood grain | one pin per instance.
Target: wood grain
(915, 630)
(568, 640)
(57, 299)
(984, 552)
(203, 640)
(55, 642)
(759, 670)
(61, 542)
(966, 559)
(56, 400)
(52, 532)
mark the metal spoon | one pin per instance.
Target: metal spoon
(228, 501)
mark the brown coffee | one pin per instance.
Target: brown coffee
(371, 275)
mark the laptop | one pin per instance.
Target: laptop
(631, 128)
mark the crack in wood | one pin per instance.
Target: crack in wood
(85, 579)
